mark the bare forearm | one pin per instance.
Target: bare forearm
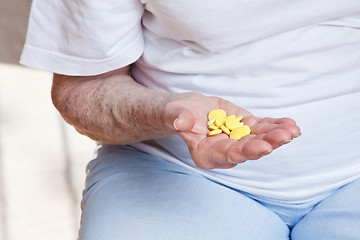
(110, 108)
(113, 108)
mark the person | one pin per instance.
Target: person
(140, 77)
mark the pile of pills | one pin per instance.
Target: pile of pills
(231, 125)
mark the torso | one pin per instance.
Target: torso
(276, 59)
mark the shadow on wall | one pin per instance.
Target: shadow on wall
(13, 25)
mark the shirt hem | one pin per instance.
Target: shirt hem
(76, 66)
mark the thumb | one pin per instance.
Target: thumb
(182, 120)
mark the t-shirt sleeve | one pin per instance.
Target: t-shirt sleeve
(77, 37)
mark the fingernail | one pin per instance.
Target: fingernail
(174, 124)
(298, 135)
(285, 142)
(265, 153)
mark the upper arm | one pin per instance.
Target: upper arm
(81, 38)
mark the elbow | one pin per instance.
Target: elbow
(58, 93)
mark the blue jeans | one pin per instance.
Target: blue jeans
(132, 195)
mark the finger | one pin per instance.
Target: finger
(268, 120)
(256, 148)
(277, 137)
(277, 120)
(293, 129)
(224, 166)
(285, 123)
(262, 128)
(290, 125)
(212, 152)
(250, 121)
(180, 119)
(285, 120)
(212, 165)
(249, 148)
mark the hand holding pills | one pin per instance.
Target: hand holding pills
(220, 134)
(231, 125)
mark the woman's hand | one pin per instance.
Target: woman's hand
(187, 114)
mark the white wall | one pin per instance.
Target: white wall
(42, 159)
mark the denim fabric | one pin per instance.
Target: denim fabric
(132, 195)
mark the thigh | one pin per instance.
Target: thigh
(132, 195)
(336, 217)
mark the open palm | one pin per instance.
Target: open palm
(189, 114)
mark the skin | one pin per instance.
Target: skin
(113, 108)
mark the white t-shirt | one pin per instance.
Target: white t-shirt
(299, 59)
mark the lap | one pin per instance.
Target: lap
(336, 217)
(132, 195)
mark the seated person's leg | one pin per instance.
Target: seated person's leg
(132, 195)
(336, 217)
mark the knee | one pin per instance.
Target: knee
(320, 225)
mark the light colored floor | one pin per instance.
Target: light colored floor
(42, 159)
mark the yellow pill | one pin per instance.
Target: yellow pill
(231, 116)
(217, 113)
(215, 132)
(232, 123)
(246, 129)
(220, 121)
(211, 121)
(239, 118)
(225, 129)
(239, 132)
(213, 127)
